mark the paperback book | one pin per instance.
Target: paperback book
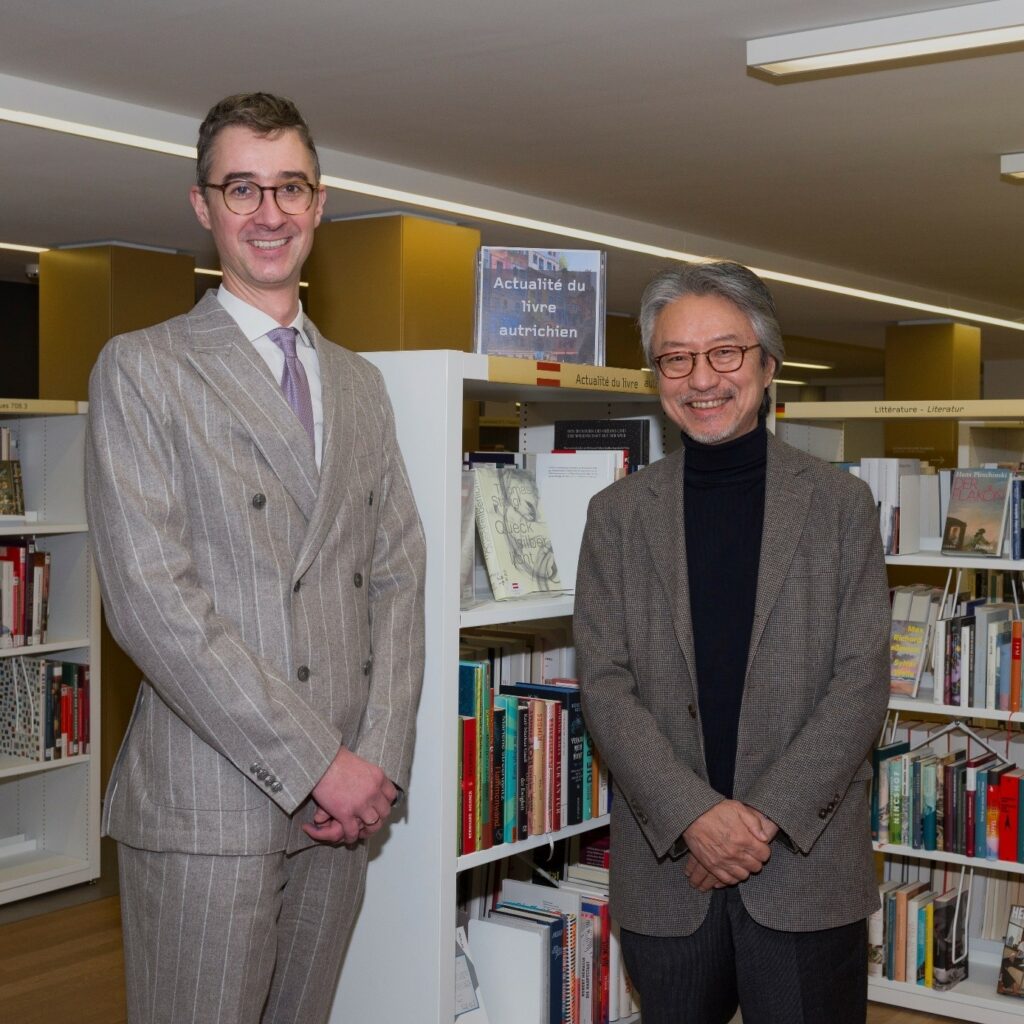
(544, 304)
(976, 518)
(1011, 970)
(513, 532)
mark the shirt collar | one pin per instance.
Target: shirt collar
(253, 322)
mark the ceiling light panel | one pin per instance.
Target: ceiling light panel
(950, 30)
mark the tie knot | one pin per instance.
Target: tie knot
(284, 338)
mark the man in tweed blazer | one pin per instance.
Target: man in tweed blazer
(731, 628)
(263, 563)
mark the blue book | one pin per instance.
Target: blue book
(980, 812)
(1003, 684)
(929, 826)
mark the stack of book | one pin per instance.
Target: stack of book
(929, 800)
(919, 935)
(527, 765)
(44, 708)
(568, 966)
(24, 593)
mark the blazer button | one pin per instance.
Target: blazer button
(303, 673)
(298, 586)
(367, 665)
(276, 787)
(259, 500)
(692, 710)
(253, 768)
(358, 579)
(823, 814)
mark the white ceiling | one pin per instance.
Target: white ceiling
(639, 117)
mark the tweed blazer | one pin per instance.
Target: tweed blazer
(276, 611)
(814, 697)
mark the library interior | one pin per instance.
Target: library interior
(502, 181)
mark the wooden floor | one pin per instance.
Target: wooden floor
(67, 965)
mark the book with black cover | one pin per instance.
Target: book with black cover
(632, 434)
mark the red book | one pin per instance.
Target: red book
(486, 798)
(467, 782)
(1015, 655)
(83, 674)
(555, 738)
(1009, 801)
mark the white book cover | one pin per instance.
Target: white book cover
(512, 965)
(566, 482)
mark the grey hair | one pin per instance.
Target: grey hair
(728, 280)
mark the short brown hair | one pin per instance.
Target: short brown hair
(263, 113)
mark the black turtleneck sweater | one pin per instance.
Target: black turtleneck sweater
(723, 501)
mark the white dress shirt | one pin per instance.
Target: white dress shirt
(255, 325)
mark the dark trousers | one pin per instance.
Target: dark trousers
(732, 961)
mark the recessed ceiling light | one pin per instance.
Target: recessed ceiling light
(928, 33)
(798, 383)
(21, 248)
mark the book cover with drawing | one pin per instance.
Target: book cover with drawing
(1011, 970)
(543, 304)
(950, 938)
(514, 533)
(976, 517)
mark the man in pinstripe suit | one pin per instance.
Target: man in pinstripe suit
(731, 627)
(261, 559)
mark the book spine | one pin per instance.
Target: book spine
(524, 758)
(970, 811)
(498, 777)
(992, 821)
(1015, 666)
(1008, 814)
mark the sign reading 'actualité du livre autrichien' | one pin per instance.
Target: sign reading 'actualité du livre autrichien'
(541, 304)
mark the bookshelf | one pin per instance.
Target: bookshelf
(408, 914)
(54, 805)
(988, 430)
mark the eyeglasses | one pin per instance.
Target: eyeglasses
(721, 359)
(244, 197)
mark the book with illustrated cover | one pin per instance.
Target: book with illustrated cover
(513, 532)
(1011, 970)
(12, 500)
(976, 517)
(546, 304)
(950, 939)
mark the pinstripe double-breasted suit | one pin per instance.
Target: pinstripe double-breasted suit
(814, 696)
(275, 611)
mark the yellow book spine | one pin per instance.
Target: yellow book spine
(929, 947)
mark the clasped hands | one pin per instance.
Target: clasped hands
(727, 845)
(353, 800)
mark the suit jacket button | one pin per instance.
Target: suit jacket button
(254, 768)
(276, 787)
(358, 579)
(367, 665)
(303, 673)
(692, 710)
(823, 813)
(298, 586)
(259, 500)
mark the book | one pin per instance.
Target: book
(950, 938)
(1011, 969)
(566, 481)
(12, 501)
(630, 435)
(519, 996)
(513, 532)
(544, 304)
(553, 924)
(976, 517)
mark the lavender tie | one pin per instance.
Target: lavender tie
(294, 383)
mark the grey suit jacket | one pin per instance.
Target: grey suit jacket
(276, 612)
(814, 697)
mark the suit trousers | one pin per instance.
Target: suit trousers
(236, 940)
(731, 961)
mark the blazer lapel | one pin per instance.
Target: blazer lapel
(232, 368)
(787, 500)
(663, 525)
(339, 443)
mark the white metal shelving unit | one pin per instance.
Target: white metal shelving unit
(406, 928)
(54, 803)
(988, 431)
